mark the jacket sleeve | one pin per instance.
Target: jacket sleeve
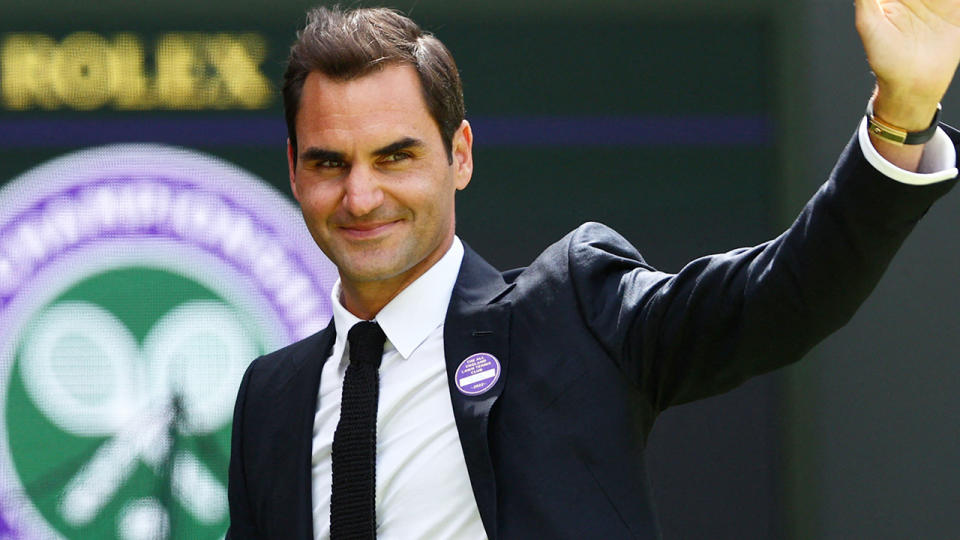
(242, 525)
(727, 317)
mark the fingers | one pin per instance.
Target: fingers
(867, 10)
(867, 7)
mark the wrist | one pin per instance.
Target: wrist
(910, 112)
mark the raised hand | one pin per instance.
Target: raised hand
(913, 47)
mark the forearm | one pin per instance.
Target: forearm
(728, 317)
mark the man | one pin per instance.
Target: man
(517, 405)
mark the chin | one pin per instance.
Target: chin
(369, 275)
(367, 270)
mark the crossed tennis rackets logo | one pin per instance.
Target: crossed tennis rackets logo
(85, 371)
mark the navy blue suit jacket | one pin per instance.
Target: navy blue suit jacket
(593, 344)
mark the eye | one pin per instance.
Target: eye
(397, 157)
(331, 164)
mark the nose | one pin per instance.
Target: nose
(362, 193)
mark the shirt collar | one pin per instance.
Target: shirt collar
(410, 317)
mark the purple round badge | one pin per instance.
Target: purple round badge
(478, 373)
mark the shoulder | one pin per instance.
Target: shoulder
(590, 248)
(591, 242)
(592, 267)
(275, 369)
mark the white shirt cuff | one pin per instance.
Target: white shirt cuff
(939, 161)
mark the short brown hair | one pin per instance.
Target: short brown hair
(345, 45)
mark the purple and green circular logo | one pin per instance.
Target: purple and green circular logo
(137, 282)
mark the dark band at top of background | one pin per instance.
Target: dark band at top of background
(719, 130)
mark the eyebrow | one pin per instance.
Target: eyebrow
(402, 144)
(321, 154)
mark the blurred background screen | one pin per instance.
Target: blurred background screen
(150, 249)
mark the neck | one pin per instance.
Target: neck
(365, 299)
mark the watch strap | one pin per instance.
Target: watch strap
(900, 136)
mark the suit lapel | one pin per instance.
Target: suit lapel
(304, 389)
(477, 323)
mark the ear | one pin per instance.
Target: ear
(462, 151)
(292, 170)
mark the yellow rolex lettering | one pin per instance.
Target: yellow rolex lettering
(130, 85)
(79, 70)
(86, 71)
(236, 60)
(24, 68)
(179, 70)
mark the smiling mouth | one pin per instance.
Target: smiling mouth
(367, 230)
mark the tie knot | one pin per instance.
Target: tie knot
(366, 340)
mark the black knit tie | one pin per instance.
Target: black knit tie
(353, 513)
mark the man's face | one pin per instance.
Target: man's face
(373, 177)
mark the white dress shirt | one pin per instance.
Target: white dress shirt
(423, 488)
(939, 161)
